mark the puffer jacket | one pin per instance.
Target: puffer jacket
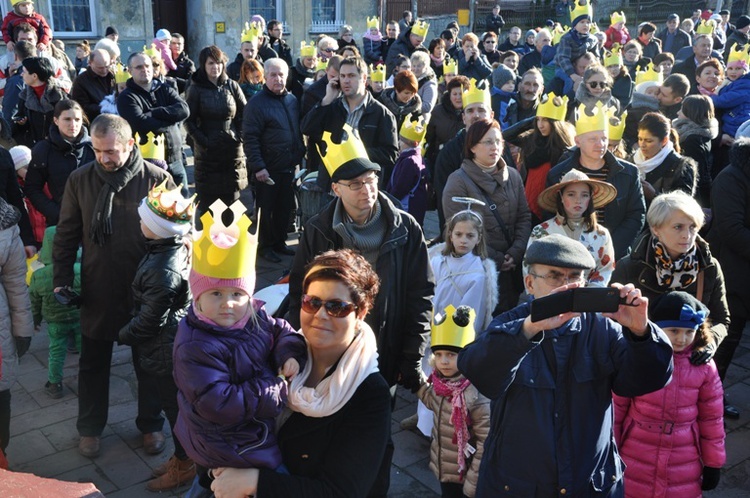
(428, 92)
(52, 162)
(445, 122)
(228, 389)
(39, 113)
(666, 437)
(160, 110)
(639, 268)
(733, 98)
(443, 449)
(44, 305)
(215, 128)
(161, 297)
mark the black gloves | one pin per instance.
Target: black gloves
(703, 355)
(411, 375)
(22, 345)
(711, 477)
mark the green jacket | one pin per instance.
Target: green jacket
(41, 290)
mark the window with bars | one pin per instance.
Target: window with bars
(269, 9)
(71, 17)
(327, 16)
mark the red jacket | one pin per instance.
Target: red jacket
(37, 21)
(668, 436)
(614, 36)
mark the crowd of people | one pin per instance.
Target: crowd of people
(573, 156)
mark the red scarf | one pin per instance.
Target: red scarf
(454, 391)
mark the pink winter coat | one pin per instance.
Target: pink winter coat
(166, 54)
(668, 436)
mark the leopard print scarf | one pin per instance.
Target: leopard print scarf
(675, 274)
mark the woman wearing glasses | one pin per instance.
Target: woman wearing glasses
(484, 175)
(333, 434)
(596, 87)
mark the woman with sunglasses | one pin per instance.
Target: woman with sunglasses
(596, 87)
(334, 433)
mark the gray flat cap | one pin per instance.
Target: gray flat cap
(561, 251)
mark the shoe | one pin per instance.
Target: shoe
(154, 442)
(54, 389)
(176, 473)
(731, 412)
(271, 256)
(88, 446)
(285, 250)
(410, 423)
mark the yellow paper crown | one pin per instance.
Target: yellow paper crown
(738, 55)
(581, 8)
(232, 262)
(613, 58)
(617, 17)
(151, 51)
(420, 28)
(558, 33)
(373, 22)
(153, 147)
(321, 65)
(170, 204)
(447, 332)
(705, 27)
(476, 95)
(593, 119)
(251, 32)
(121, 73)
(306, 50)
(413, 130)
(450, 67)
(551, 110)
(648, 75)
(337, 155)
(594, 29)
(377, 73)
(616, 124)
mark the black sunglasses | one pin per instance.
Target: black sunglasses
(593, 84)
(334, 307)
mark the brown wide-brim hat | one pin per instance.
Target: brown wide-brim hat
(602, 192)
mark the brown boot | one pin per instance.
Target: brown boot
(178, 473)
(164, 468)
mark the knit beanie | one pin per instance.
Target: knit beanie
(678, 309)
(742, 22)
(163, 35)
(156, 222)
(530, 32)
(501, 75)
(111, 30)
(21, 156)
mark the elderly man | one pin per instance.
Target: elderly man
(702, 46)
(533, 59)
(529, 92)
(100, 212)
(550, 382)
(274, 148)
(95, 83)
(152, 106)
(672, 37)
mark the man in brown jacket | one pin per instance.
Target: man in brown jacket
(100, 212)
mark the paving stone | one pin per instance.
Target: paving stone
(33, 379)
(405, 486)
(21, 402)
(43, 417)
(27, 447)
(89, 473)
(120, 390)
(410, 448)
(121, 412)
(734, 483)
(63, 435)
(120, 465)
(56, 464)
(738, 447)
(139, 491)
(739, 396)
(736, 373)
(422, 473)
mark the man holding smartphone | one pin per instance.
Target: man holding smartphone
(551, 381)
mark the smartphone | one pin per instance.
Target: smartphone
(579, 300)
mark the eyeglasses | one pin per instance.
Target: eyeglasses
(601, 84)
(329, 50)
(356, 185)
(559, 279)
(335, 308)
(492, 143)
(490, 41)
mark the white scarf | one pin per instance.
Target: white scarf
(333, 392)
(646, 166)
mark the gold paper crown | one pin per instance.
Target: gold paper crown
(613, 58)
(170, 204)
(450, 67)
(151, 51)
(420, 28)
(598, 120)
(738, 55)
(337, 155)
(550, 110)
(232, 262)
(377, 73)
(594, 29)
(373, 22)
(413, 130)
(121, 73)
(705, 27)
(446, 332)
(153, 148)
(617, 17)
(581, 8)
(648, 75)
(558, 33)
(321, 65)
(251, 32)
(616, 124)
(476, 95)
(306, 50)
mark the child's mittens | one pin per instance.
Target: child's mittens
(711, 477)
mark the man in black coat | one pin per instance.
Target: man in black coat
(185, 66)
(249, 49)
(495, 21)
(277, 43)
(406, 44)
(702, 46)
(739, 36)
(273, 146)
(95, 83)
(151, 106)
(534, 58)
(672, 37)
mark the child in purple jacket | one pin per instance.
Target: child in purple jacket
(407, 183)
(231, 359)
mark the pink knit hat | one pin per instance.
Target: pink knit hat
(201, 283)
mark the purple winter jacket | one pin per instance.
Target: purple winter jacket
(229, 391)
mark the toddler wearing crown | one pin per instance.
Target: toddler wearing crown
(231, 359)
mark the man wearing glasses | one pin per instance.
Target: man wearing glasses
(550, 382)
(277, 43)
(95, 83)
(366, 220)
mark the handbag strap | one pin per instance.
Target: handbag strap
(699, 291)
(493, 209)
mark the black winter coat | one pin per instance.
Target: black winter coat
(160, 110)
(215, 128)
(445, 123)
(38, 112)
(52, 162)
(11, 192)
(676, 172)
(89, 89)
(161, 296)
(402, 46)
(185, 69)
